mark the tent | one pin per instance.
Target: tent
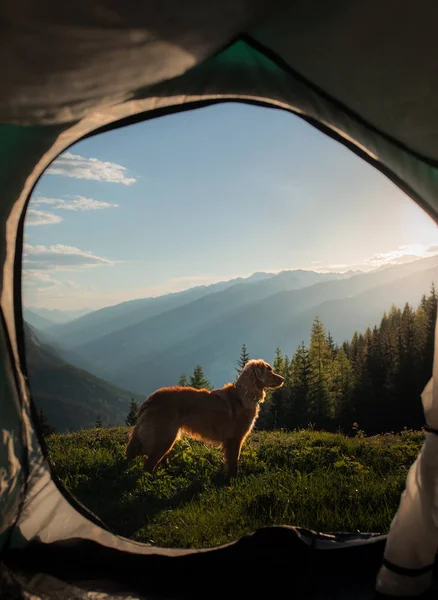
(365, 74)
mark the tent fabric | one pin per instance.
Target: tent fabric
(272, 561)
(377, 58)
(12, 449)
(139, 44)
(363, 73)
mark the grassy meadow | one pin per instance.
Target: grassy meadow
(323, 481)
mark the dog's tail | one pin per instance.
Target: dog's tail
(134, 446)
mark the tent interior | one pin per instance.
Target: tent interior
(363, 73)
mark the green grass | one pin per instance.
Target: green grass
(318, 480)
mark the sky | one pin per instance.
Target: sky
(205, 196)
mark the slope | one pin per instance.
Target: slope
(71, 398)
(33, 318)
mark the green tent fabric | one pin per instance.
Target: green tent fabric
(365, 74)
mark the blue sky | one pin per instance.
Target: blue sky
(204, 196)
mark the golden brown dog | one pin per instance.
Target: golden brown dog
(224, 416)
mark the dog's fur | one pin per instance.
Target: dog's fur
(223, 416)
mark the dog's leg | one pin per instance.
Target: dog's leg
(162, 448)
(232, 454)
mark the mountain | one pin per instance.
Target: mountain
(54, 315)
(111, 353)
(36, 320)
(283, 319)
(112, 319)
(70, 397)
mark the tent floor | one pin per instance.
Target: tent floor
(272, 562)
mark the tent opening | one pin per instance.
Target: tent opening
(169, 253)
(362, 74)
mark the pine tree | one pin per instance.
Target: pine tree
(46, 428)
(420, 335)
(286, 370)
(99, 422)
(406, 409)
(424, 325)
(300, 377)
(279, 363)
(342, 383)
(320, 406)
(279, 399)
(330, 343)
(243, 359)
(131, 419)
(183, 382)
(431, 313)
(198, 379)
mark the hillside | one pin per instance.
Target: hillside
(36, 320)
(318, 480)
(70, 397)
(283, 319)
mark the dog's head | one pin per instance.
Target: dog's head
(263, 374)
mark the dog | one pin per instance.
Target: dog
(224, 416)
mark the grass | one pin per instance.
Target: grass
(323, 481)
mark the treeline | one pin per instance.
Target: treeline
(373, 382)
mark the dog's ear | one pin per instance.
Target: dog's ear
(259, 372)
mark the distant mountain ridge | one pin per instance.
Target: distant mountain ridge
(144, 344)
(47, 317)
(111, 319)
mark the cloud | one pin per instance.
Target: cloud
(39, 279)
(59, 257)
(76, 203)
(70, 284)
(38, 217)
(41, 287)
(404, 254)
(80, 167)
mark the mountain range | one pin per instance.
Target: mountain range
(143, 344)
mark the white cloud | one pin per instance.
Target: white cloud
(76, 203)
(38, 217)
(39, 279)
(403, 254)
(41, 288)
(80, 167)
(59, 257)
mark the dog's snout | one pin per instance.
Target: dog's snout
(280, 380)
